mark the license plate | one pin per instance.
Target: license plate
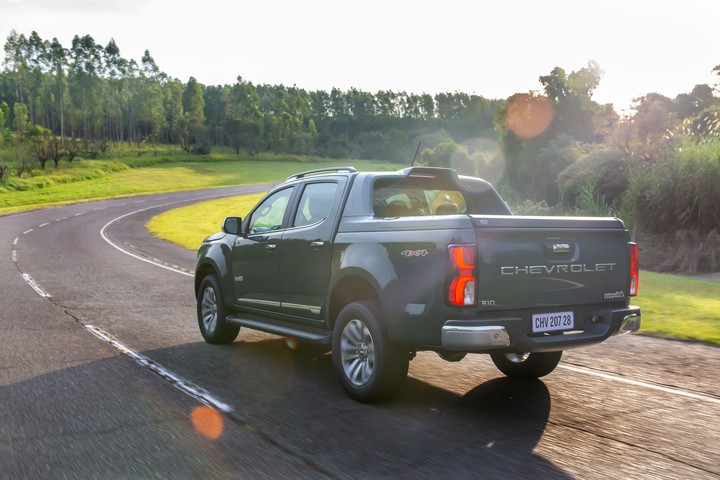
(552, 322)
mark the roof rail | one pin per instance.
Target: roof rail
(321, 171)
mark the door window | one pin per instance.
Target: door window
(315, 203)
(270, 213)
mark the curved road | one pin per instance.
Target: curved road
(104, 374)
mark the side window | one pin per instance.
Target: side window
(270, 213)
(315, 203)
(397, 201)
(446, 202)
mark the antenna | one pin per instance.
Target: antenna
(416, 152)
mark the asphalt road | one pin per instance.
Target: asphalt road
(104, 374)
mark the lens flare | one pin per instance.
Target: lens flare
(291, 343)
(529, 115)
(207, 422)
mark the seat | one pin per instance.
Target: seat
(446, 209)
(397, 208)
(318, 207)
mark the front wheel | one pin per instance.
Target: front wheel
(211, 313)
(369, 365)
(526, 365)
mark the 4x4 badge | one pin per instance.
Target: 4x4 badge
(414, 253)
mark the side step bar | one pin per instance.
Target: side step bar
(308, 334)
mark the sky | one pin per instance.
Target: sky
(492, 49)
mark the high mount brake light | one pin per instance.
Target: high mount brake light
(634, 269)
(462, 286)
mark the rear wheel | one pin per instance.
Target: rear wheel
(526, 365)
(369, 365)
(211, 313)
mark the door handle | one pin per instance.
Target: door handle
(317, 244)
(270, 247)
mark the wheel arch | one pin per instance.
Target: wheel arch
(209, 267)
(213, 259)
(352, 287)
(202, 271)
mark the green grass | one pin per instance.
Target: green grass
(188, 226)
(126, 175)
(679, 307)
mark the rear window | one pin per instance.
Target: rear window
(411, 197)
(397, 200)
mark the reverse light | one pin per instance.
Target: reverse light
(634, 269)
(462, 286)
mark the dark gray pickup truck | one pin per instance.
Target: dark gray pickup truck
(378, 266)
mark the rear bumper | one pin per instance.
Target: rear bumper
(513, 334)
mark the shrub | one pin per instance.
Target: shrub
(201, 149)
(680, 191)
(607, 171)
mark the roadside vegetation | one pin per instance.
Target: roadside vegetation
(129, 173)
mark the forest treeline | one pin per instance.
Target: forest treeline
(554, 150)
(91, 93)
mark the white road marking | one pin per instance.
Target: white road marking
(659, 388)
(43, 224)
(14, 256)
(15, 242)
(183, 385)
(138, 257)
(60, 219)
(29, 280)
(180, 383)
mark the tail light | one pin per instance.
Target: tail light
(462, 285)
(634, 269)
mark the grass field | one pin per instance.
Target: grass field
(679, 307)
(126, 175)
(188, 226)
(672, 306)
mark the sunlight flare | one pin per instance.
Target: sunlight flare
(207, 422)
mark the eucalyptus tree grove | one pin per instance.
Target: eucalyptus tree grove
(90, 92)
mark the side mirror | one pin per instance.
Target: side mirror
(232, 225)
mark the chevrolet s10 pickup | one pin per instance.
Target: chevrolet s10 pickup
(377, 266)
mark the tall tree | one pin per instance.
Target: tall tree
(16, 64)
(572, 96)
(173, 108)
(244, 120)
(194, 110)
(58, 60)
(85, 67)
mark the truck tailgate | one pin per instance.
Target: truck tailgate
(528, 262)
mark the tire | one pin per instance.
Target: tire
(526, 366)
(211, 313)
(369, 365)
